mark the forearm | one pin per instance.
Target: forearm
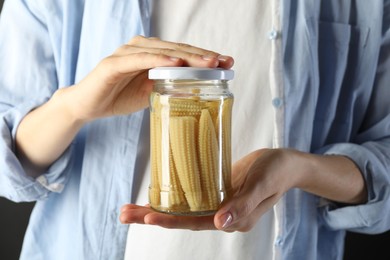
(46, 132)
(333, 177)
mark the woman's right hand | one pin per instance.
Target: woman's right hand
(119, 84)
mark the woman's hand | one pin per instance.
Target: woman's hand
(259, 180)
(120, 85)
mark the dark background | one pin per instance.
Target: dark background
(14, 219)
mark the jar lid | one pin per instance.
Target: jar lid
(176, 73)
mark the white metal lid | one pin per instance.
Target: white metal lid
(177, 73)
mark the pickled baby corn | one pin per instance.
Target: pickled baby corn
(155, 141)
(182, 133)
(197, 135)
(208, 155)
(177, 199)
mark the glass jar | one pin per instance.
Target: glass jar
(190, 128)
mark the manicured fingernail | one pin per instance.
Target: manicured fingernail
(227, 220)
(223, 58)
(174, 58)
(206, 57)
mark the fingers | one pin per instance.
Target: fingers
(186, 58)
(225, 62)
(258, 186)
(135, 62)
(241, 167)
(134, 214)
(145, 53)
(231, 218)
(191, 55)
(141, 41)
(180, 222)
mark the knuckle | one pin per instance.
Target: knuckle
(107, 62)
(193, 56)
(242, 210)
(121, 49)
(164, 52)
(136, 40)
(106, 65)
(245, 208)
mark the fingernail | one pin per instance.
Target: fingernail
(174, 58)
(227, 219)
(207, 57)
(223, 58)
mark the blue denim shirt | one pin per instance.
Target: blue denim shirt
(336, 60)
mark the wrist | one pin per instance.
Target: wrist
(300, 165)
(333, 177)
(66, 101)
(45, 132)
(289, 165)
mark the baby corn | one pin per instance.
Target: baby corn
(226, 143)
(208, 155)
(183, 132)
(194, 135)
(155, 141)
(176, 195)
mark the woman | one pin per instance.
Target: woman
(73, 139)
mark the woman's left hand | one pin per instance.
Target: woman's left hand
(259, 180)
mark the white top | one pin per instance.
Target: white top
(246, 31)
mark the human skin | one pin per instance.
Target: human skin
(117, 86)
(259, 180)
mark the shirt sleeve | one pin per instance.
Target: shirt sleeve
(371, 153)
(28, 79)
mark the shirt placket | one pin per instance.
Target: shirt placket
(277, 95)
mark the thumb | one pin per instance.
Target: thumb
(242, 215)
(238, 208)
(243, 210)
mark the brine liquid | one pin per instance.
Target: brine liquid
(190, 153)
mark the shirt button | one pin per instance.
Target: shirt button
(278, 241)
(277, 102)
(272, 35)
(56, 187)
